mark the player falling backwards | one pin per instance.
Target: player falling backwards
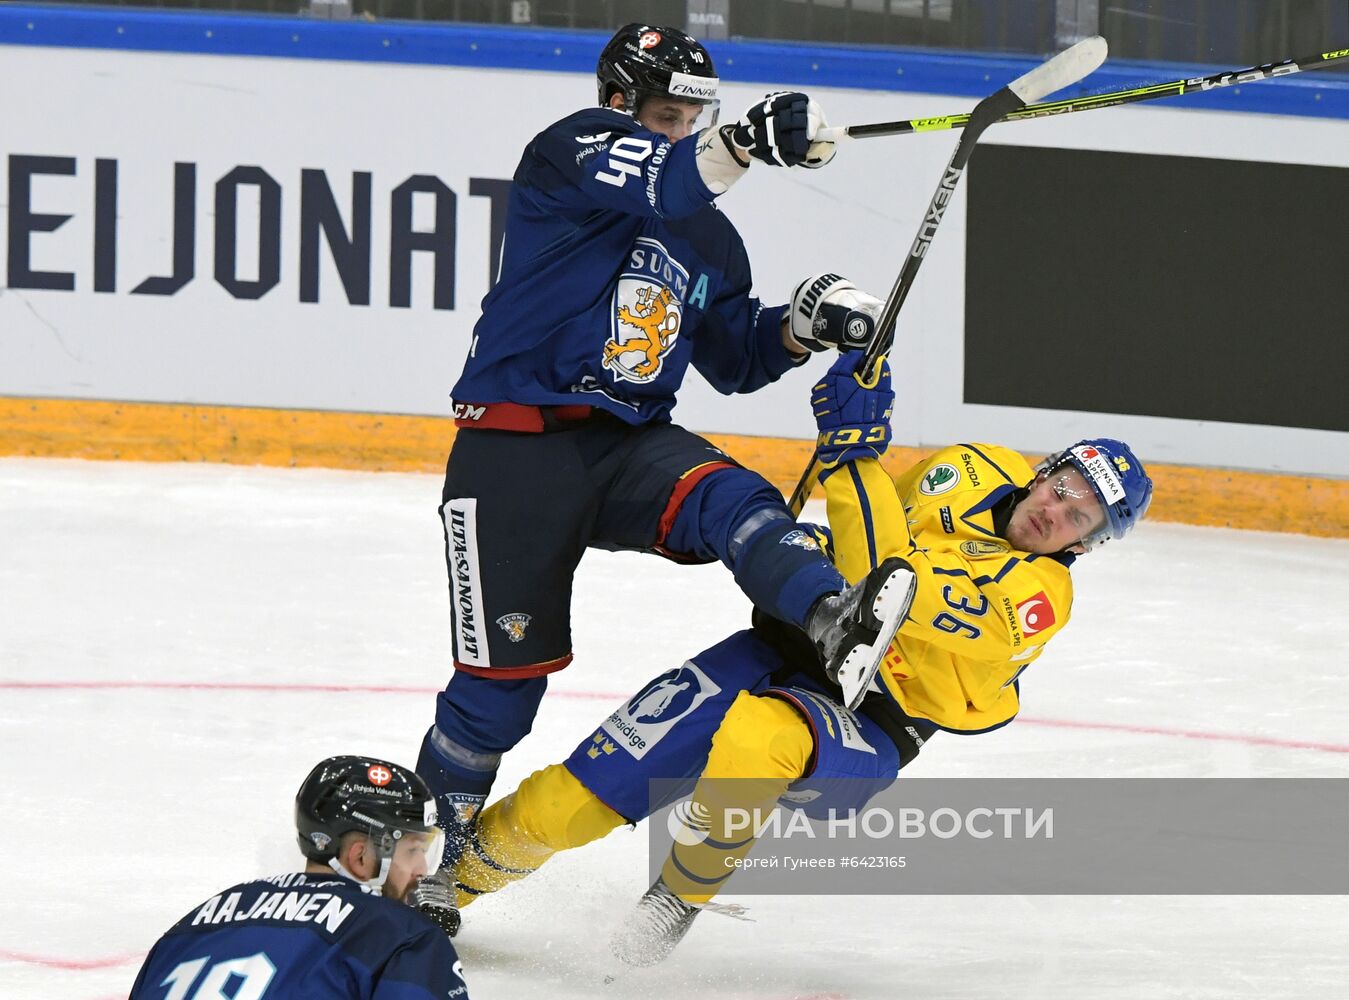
(618, 274)
(991, 542)
(340, 930)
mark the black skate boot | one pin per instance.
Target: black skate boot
(852, 630)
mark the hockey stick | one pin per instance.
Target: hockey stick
(1066, 68)
(1175, 88)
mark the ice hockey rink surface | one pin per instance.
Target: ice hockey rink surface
(179, 644)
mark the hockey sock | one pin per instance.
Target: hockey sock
(734, 515)
(551, 811)
(761, 747)
(477, 720)
(782, 569)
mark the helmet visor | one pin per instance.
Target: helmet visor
(417, 852)
(1082, 503)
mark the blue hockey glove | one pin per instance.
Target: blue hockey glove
(853, 416)
(780, 131)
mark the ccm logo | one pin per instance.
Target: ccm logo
(467, 411)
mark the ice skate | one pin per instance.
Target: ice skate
(651, 931)
(852, 630)
(434, 898)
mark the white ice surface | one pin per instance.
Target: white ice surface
(127, 805)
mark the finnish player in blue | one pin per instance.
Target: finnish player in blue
(344, 928)
(618, 272)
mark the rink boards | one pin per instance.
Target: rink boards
(286, 251)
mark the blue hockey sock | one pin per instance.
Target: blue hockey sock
(477, 720)
(736, 516)
(782, 569)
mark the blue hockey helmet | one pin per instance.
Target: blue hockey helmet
(1120, 482)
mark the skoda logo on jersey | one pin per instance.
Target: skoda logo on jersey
(648, 307)
(653, 711)
(939, 479)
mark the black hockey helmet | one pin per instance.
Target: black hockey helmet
(343, 794)
(648, 60)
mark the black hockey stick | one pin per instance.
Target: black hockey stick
(1089, 102)
(1066, 68)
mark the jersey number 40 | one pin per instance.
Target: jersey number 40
(624, 155)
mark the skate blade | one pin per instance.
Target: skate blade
(890, 605)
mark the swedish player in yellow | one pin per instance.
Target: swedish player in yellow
(990, 542)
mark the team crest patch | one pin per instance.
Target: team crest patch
(647, 311)
(977, 547)
(649, 39)
(801, 539)
(939, 479)
(321, 840)
(514, 625)
(465, 806)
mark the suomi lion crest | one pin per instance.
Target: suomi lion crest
(647, 312)
(514, 625)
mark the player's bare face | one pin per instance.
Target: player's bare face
(672, 119)
(406, 867)
(1059, 512)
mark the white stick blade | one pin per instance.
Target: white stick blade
(1065, 69)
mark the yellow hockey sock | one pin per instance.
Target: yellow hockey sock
(550, 812)
(761, 747)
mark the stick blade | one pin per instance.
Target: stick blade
(1065, 69)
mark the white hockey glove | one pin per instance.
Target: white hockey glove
(830, 311)
(819, 152)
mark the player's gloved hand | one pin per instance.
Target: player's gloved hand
(434, 897)
(852, 414)
(830, 311)
(780, 130)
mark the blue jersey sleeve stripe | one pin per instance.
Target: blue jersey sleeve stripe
(975, 449)
(975, 732)
(997, 578)
(864, 503)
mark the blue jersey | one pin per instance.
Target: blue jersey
(302, 937)
(617, 274)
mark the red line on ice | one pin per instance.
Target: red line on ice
(69, 963)
(1104, 727)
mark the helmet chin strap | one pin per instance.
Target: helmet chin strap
(375, 885)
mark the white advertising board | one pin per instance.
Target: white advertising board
(182, 211)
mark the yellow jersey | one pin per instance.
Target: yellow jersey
(983, 610)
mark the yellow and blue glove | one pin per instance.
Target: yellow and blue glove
(852, 415)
